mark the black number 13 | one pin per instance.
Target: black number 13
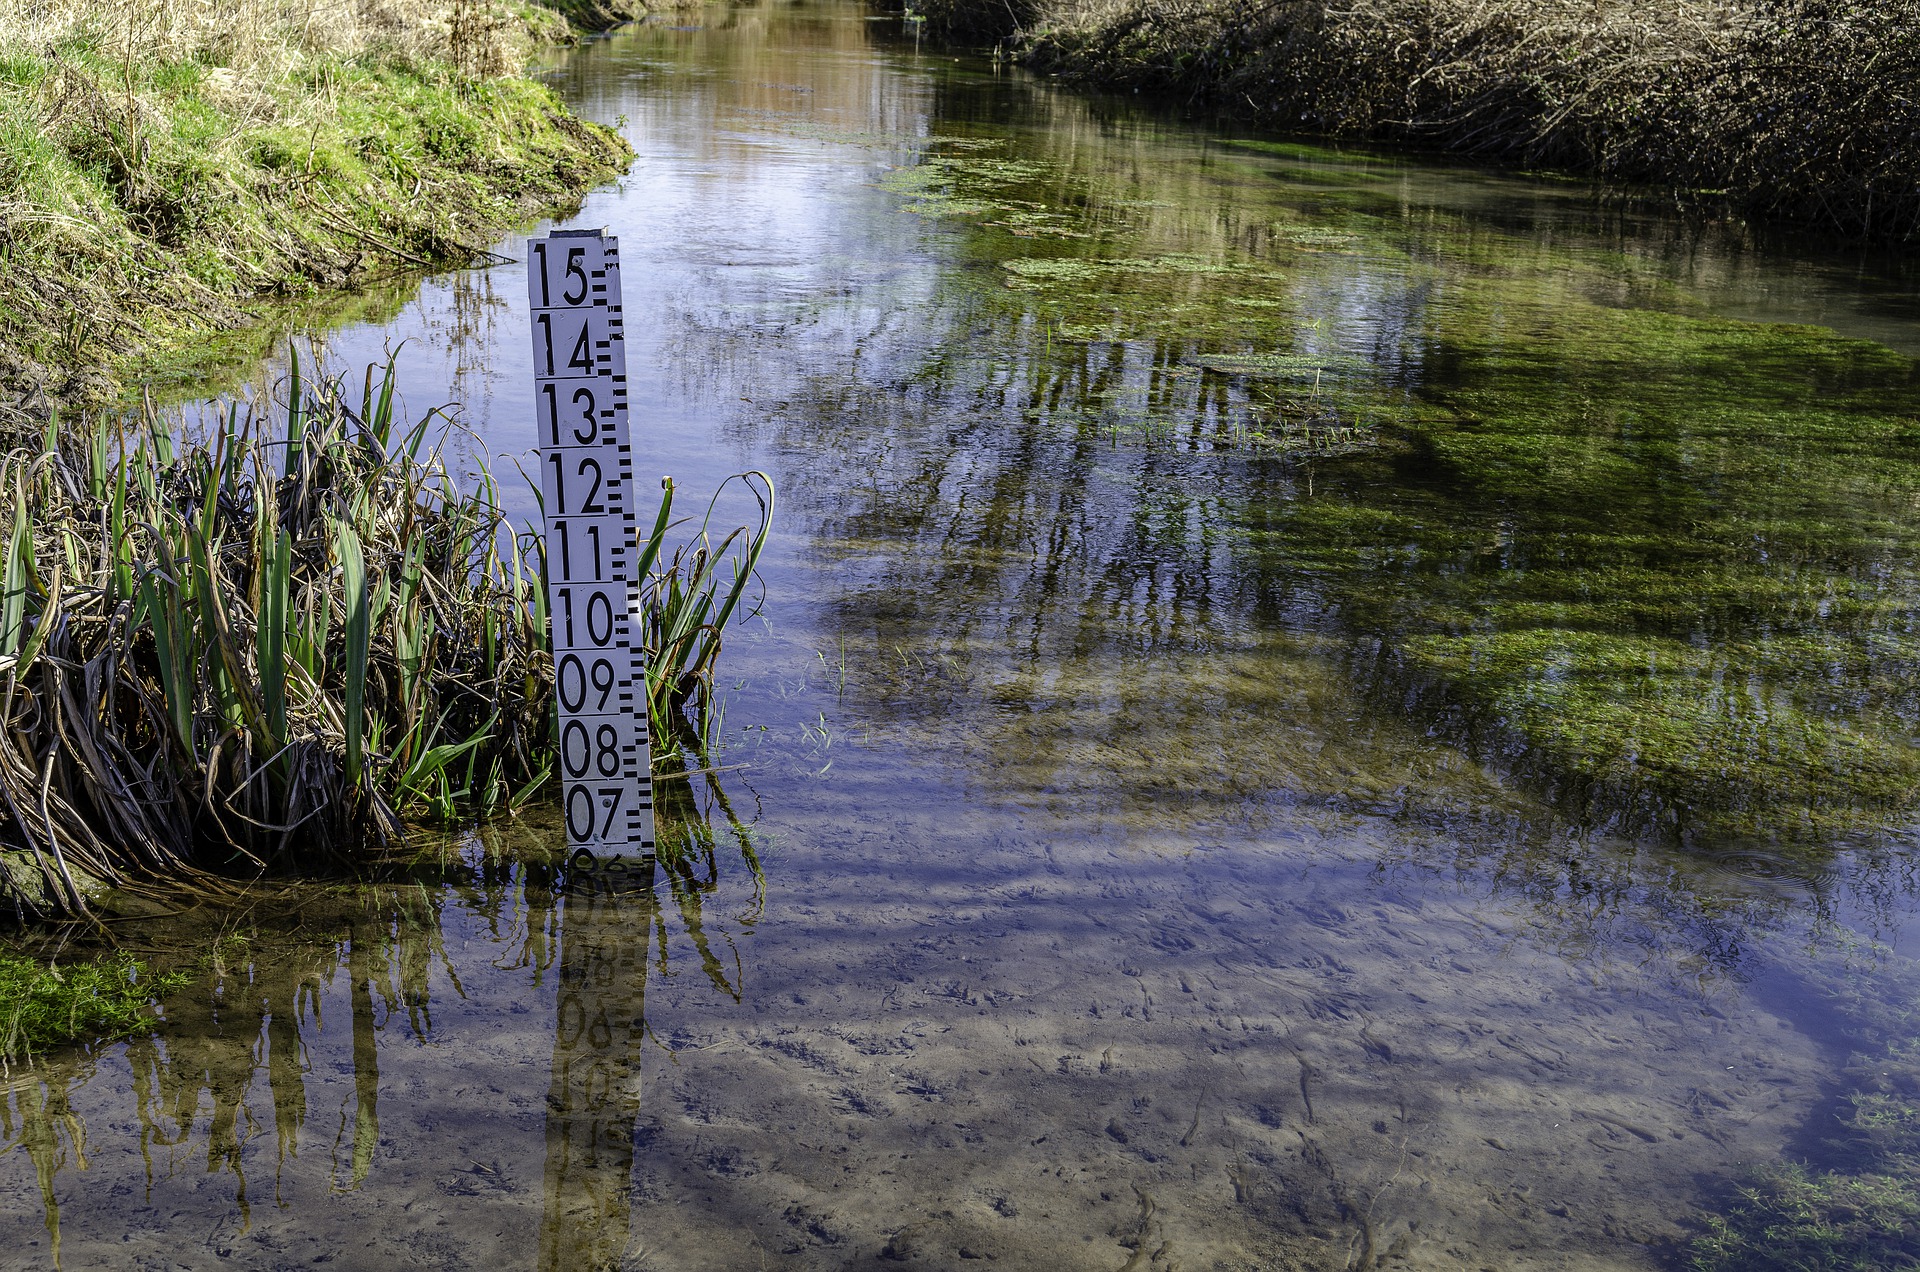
(584, 400)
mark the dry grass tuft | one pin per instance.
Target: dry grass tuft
(256, 45)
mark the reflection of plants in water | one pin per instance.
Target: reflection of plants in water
(253, 1007)
(246, 1010)
(37, 1117)
(685, 808)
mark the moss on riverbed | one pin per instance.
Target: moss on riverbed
(1657, 562)
(165, 175)
(44, 1004)
(1661, 563)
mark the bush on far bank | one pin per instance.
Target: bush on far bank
(1784, 111)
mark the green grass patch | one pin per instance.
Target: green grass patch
(43, 1005)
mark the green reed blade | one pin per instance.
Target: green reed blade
(97, 465)
(43, 625)
(314, 632)
(650, 550)
(756, 544)
(162, 446)
(431, 758)
(296, 413)
(381, 421)
(359, 635)
(270, 633)
(160, 609)
(118, 542)
(13, 588)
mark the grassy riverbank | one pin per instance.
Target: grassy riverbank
(164, 164)
(1789, 111)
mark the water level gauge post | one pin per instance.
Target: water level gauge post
(586, 484)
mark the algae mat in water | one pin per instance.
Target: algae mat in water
(1662, 562)
(1657, 561)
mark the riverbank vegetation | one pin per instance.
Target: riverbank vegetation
(275, 645)
(1794, 111)
(271, 643)
(164, 164)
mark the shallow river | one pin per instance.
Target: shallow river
(1311, 710)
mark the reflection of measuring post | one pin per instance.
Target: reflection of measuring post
(586, 480)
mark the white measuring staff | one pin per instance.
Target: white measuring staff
(586, 480)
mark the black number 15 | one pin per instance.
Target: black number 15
(576, 268)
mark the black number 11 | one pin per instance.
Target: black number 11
(566, 551)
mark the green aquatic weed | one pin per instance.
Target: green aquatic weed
(45, 1004)
(1281, 366)
(1789, 1218)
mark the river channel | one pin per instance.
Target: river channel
(1311, 709)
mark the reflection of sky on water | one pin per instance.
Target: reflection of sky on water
(1109, 918)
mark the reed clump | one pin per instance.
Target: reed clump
(687, 599)
(1779, 110)
(271, 642)
(166, 164)
(277, 645)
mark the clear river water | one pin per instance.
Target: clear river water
(1311, 709)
